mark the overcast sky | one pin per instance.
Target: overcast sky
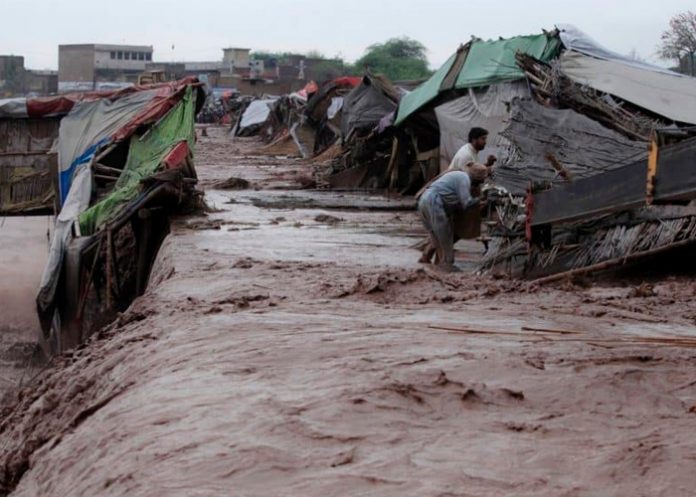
(197, 30)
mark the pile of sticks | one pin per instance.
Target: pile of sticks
(552, 88)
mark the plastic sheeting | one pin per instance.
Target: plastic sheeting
(424, 94)
(666, 94)
(334, 108)
(582, 146)
(494, 61)
(483, 107)
(578, 41)
(88, 127)
(144, 158)
(367, 104)
(257, 113)
(13, 107)
(486, 62)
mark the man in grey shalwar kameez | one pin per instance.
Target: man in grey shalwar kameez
(451, 191)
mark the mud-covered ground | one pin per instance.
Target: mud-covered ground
(291, 345)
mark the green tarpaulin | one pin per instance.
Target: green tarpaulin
(487, 62)
(424, 93)
(491, 62)
(144, 159)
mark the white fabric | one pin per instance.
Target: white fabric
(256, 113)
(464, 156)
(335, 107)
(483, 107)
(669, 95)
(574, 39)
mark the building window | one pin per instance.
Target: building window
(120, 55)
(127, 57)
(141, 55)
(113, 55)
(134, 55)
(148, 56)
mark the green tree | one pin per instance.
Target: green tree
(679, 41)
(397, 58)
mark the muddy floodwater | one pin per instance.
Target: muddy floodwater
(289, 344)
(23, 252)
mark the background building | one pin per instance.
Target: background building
(12, 75)
(84, 66)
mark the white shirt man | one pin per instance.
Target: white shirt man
(469, 153)
(464, 156)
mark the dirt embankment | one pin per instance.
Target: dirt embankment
(285, 353)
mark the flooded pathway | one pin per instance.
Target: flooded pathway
(290, 344)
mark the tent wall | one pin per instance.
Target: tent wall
(485, 107)
(580, 145)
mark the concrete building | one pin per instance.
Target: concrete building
(41, 82)
(12, 75)
(235, 58)
(86, 65)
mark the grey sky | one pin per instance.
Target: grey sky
(199, 29)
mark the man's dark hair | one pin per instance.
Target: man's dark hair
(476, 133)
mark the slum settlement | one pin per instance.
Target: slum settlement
(233, 297)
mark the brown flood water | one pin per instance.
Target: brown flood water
(23, 251)
(290, 345)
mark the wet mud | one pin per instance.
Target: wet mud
(298, 348)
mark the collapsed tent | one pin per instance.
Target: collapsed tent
(365, 147)
(478, 63)
(254, 116)
(117, 157)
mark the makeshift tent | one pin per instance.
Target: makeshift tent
(369, 102)
(145, 156)
(479, 63)
(90, 133)
(256, 114)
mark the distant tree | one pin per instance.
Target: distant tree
(397, 58)
(679, 41)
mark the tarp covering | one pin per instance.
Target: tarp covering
(13, 107)
(424, 93)
(483, 107)
(256, 113)
(666, 94)
(144, 158)
(88, 127)
(582, 146)
(368, 103)
(97, 123)
(486, 62)
(576, 40)
(62, 104)
(493, 61)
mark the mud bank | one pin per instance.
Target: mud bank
(278, 353)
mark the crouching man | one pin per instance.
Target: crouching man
(436, 206)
